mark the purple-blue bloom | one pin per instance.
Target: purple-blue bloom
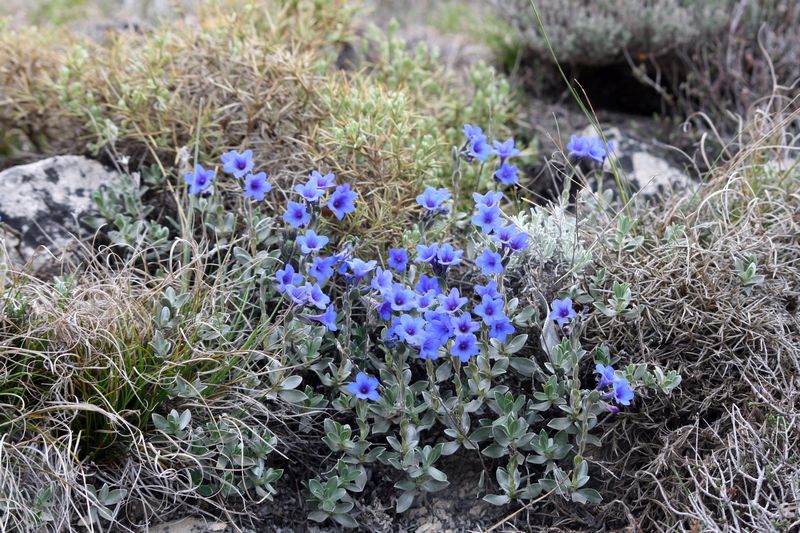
(426, 253)
(411, 329)
(426, 284)
(425, 301)
(200, 179)
(429, 347)
(256, 185)
(490, 262)
(479, 148)
(298, 294)
(489, 290)
(451, 302)
(342, 201)
(382, 280)
(327, 319)
(587, 148)
(463, 324)
(310, 242)
(322, 268)
(464, 347)
(398, 259)
(471, 132)
(439, 325)
(562, 311)
(287, 276)
(384, 310)
(364, 387)
(623, 394)
(507, 174)
(501, 329)
(360, 268)
(432, 199)
(490, 310)
(237, 164)
(490, 199)
(487, 218)
(518, 242)
(296, 215)
(323, 182)
(605, 376)
(310, 190)
(505, 149)
(402, 298)
(316, 297)
(446, 255)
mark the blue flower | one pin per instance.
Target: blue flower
(501, 329)
(310, 190)
(504, 234)
(490, 199)
(411, 329)
(256, 185)
(490, 262)
(562, 311)
(587, 148)
(606, 375)
(237, 164)
(426, 253)
(298, 294)
(296, 215)
(623, 394)
(507, 174)
(310, 242)
(425, 301)
(463, 324)
(323, 182)
(518, 242)
(429, 347)
(451, 302)
(360, 268)
(479, 148)
(505, 149)
(287, 276)
(327, 319)
(342, 201)
(398, 259)
(401, 298)
(322, 268)
(432, 199)
(384, 310)
(439, 325)
(382, 280)
(490, 310)
(364, 387)
(487, 218)
(316, 297)
(472, 132)
(489, 290)
(200, 179)
(426, 284)
(446, 255)
(464, 347)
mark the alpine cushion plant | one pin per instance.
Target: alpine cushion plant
(414, 334)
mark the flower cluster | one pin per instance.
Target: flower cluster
(590, 148)
(477, 147)
(239, 165)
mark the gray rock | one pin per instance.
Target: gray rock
(41, 204)
(644, 164)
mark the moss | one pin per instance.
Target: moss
(262, 77)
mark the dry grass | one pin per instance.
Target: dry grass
(717, 457)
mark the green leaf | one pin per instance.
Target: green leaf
(497, 499)
(516, 344)
(404, 501)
